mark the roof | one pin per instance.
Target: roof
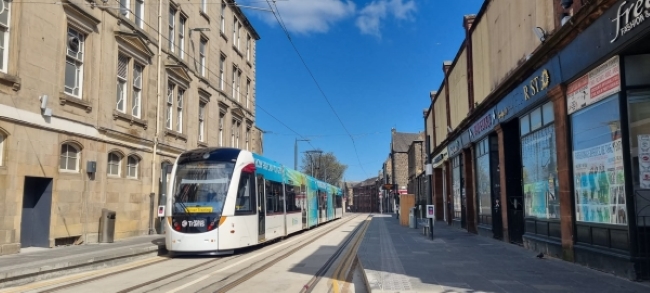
(401, 141)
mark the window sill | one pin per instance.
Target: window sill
(205, 80)
(223, 35)
(249, 63)
(205, 15)
(65, 98)
(12, 80)
(237, 51)
(175, 134)
(129, 118)
(202, 144)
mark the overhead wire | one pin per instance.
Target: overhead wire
(278, 18)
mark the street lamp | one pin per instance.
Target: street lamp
(295, 153)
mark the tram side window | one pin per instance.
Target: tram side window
(292, 198)
(339, 201)
(273, 197)
(245, 202)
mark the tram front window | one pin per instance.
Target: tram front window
(200, 190)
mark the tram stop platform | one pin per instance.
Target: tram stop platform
(401, 259)
(36, 264)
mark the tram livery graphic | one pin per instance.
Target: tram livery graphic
(226, 198)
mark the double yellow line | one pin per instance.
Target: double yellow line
(345, 264)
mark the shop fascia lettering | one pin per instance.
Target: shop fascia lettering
(483, 124)
(629, 16)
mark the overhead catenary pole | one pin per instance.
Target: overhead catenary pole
(295, 152)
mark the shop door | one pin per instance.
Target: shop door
(497, 219)
(515, 196)
(37, 208)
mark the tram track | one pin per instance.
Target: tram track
(177, 275)
(315, 279)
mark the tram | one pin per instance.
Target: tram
(222, 199)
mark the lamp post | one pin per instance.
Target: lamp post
(295, 153)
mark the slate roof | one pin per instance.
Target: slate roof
(401, 141)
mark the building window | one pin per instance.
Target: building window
(223, 18)
(248, 136)
(114, 162)
(69, 159)
(74, 62)
(125, 5)
(132, 166)
(221, 120)
(202, 56)
(201, 121)
(539, 163)
(139, 13)
(136, 100)
(181, 36)
(234, 81)
(248, 47)
(172, 19)
(5, 18)
(204, 6)
(122, 79)
(237, 82)
(598, 168)
(234, 32)
(248, 93)
(179, 110)
(171, 88)
(2, 144)
(234, 135)
(222, 74)
(124, 64)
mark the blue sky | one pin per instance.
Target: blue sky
(374, 61)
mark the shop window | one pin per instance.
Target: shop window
(483, 185)
(639, 115)
(457, 186)
(599, 187)
(539, 164)
(636, 70)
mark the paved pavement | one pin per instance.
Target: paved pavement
(35, 264)
(399, 259)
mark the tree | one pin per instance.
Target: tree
(325, 166)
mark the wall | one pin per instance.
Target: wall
(481, 61)
(458, 102)
(440, 115)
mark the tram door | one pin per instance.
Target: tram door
(261, 208)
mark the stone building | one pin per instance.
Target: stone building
(397, 170)
(95, 99)
(538, 130)
(366, 196)
(417, 178)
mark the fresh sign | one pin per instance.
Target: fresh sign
(629, 16)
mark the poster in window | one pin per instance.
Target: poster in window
(540, 174)
(600, 184)
(644, 160)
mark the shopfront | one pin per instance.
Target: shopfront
(488, 189)
(439, 184)
(458, 202)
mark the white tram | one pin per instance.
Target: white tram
(222, 199)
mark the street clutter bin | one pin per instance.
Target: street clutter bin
(107, 226)
(412, 218)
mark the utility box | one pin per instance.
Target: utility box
(406, 202)
(107, 226)
(412, 218)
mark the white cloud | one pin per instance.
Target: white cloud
(303, 17)
(370, 17)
